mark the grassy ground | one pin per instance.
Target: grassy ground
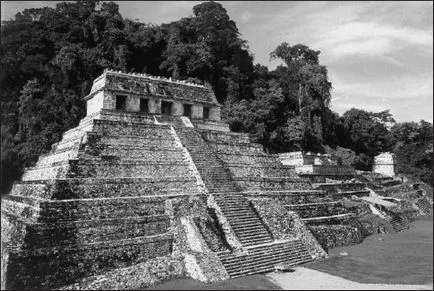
(402, 258)
(255, 282)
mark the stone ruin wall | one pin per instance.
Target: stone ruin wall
(250, 166)
(384, 164)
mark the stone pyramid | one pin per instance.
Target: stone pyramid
(150, 172)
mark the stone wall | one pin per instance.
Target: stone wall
(384, 165)
(285, 225)
(337, 235)
(53, 267)
(211, 125)
(329, 170)
(95, 104)
(137, 276)
(200, 261)
(251, 168)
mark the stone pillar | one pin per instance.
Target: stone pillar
(214, 113)
(133, 103)
(154, 105)
(109, 100)
(177, 109)
(95, 104)
(197, 111)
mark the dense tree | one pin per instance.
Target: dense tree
(305, 82)
(367, 134)
(49, 57)
(413, 149)
(208, 46)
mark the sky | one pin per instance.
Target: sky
(379, 55)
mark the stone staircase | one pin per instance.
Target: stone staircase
(243, 219)
(263, 258)
(424, 205)
(398, 223)
(241, 216)
(262, 252)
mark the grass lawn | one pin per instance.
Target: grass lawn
(402, 258)
(255, 282)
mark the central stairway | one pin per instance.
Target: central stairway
(241, 216)
(243, 219)
(262, 252)
(263, 258)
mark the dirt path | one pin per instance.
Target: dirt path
(308, 279)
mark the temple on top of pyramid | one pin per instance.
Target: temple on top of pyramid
(152, 95)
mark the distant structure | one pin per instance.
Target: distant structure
(384, 164)
(317, 167)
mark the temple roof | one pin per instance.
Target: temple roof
(147, 85)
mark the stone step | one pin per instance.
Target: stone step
(239, 214)
(260, 249)
(244, 219)
(245, 224)
(255, 243)
(254, 239)
(264, 257)
(255, 235)
(230, 199)
(230, 206)
(267, 267)
(234, 207)
(254, 259)
(250, 232)
(259, 233)
(90, 231)
(424, 205)
(239, 226)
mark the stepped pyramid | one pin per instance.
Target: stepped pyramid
(150, 172)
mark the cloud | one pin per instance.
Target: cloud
(391, 89)
(372, 39)
(246, 16)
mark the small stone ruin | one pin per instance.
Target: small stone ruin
(317, 167)
(384, 164)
